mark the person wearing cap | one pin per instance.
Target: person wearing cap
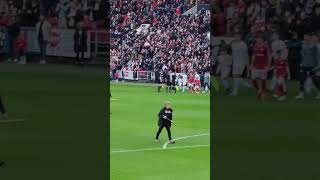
(164, 121)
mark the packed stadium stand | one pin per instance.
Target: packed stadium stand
(28, 11)
(67, 13)
(63, 16)
(286, 16)
(153, 35)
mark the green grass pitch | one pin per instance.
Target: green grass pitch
(134, 111)
(266, 140)
(64, 133)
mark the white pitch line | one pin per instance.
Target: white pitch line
(185, 137)
(114, 99)
(11, 121)
(153, 149)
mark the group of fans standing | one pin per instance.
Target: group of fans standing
(145, 34)
(262, 60)
(193, 82)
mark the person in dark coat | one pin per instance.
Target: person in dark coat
(80, 43)
(158, 79)
(168, 81)
(164, 121)
(294, 56)
(173, 82)
(13, 32)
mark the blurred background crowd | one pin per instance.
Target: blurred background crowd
(20, 17)
(67, 13)
(296, 22)
(252, 16)
(60, 13)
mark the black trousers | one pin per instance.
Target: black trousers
(306, 72)
(11, 41)
(2, 109)
(168, 131)
(80, 57)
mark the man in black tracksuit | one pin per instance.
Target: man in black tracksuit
(165, 119)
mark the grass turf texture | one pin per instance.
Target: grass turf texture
(64, 133)
(266, 140)
(134, 126)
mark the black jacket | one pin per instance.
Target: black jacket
(14, 30)
(157, 76)
(167, 76)
(165, 112)
(80, 41)
(174, 77)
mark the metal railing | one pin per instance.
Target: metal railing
(140, 76)
(98, 42)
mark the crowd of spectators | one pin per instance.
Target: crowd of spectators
(252, 16)
(27, 11)
(194, 2)
(172, 41)
(44, 16)
(60, 13)
(13, 15)
(288, 27)
(291, 19)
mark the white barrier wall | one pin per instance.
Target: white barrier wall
(61, 42)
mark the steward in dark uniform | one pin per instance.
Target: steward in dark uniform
(158, 79)
(165, 118)
(168, 81)
(173, 82)
(2, 110)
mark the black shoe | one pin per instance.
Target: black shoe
(172, 142)
(2, 163)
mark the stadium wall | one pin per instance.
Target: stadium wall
(61, 43)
